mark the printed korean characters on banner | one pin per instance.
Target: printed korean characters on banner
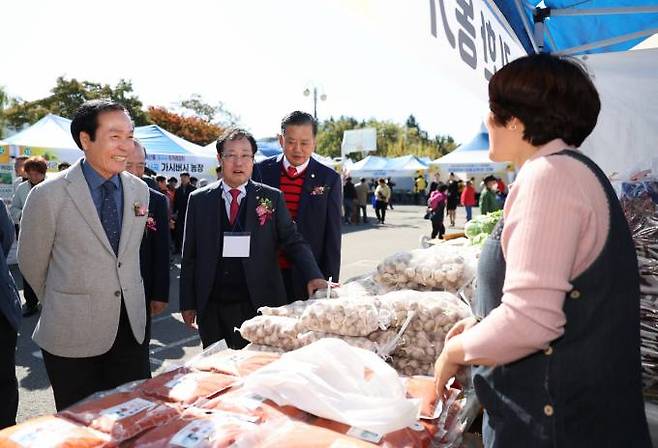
(476, 32)
(174, 164)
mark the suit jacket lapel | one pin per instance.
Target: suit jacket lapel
(129, 199)
(214, 218)
(250, 213)
(310, 182)
(78, 189)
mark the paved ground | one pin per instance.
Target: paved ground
(363, 247)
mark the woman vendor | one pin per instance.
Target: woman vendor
(555, 343)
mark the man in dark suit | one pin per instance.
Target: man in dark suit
(154, 249)
(313, 195)
(10, 318)
(234, 227)
(180, 207)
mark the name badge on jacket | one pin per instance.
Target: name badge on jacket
(236, 244)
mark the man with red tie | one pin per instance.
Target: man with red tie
(313, 195)
(232, 232)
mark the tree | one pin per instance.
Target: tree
(3, 101)
(212, 114)
(67, 96)
(193, 129)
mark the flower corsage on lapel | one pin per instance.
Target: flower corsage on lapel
(139, 209)
(264, 210)
(319, 190)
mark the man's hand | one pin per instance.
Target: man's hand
(189, 317)
(157, 307)
(461, 327)
(318, 283)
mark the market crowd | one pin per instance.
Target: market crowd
(554, 343)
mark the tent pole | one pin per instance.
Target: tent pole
(526, 25)
(604, 11)
(606, 42)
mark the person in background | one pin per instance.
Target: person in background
(382, 195)
(436, 205)
(488, 200)
(35, 169)
(349, 197)
(453, 198)
(19, 163)
(502, 190)
(312, 193)
(390, 184)
(180, 208)
(10, 319)
(162, 184)
(436, 181)
(218, 172)
(555, 349)
(63, 166)
(420, 184)
(153, 250)
(362, 191)
(468, 199)
(194, 181)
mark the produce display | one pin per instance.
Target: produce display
(272, 330)
(346, 316)
(479, 228)
(639, 201)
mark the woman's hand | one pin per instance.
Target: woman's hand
(444, 369)
(461, 327)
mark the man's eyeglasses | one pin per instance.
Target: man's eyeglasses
(236, 157)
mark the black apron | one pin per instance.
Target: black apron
(585, 389)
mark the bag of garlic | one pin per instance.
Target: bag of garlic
(273, 331)
(440, 267)
(294, 309)
(346, 316)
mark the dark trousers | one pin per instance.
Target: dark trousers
(146, 345)
(361, 209)
(8, 383)
(76, 378)
(437, 224)
(219, 320)
(380, 210)
(347, 207)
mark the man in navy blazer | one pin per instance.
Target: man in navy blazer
(154, 249)
(10, 318)
(313, 196)
(233, 229)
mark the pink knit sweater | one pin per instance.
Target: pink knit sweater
(556, 224)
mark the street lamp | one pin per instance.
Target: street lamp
(323, 97)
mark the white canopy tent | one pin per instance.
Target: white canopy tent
(471, 158)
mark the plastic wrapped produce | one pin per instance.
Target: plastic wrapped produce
(122, 415)
(52, 431)
(263, 348)
(274, 331)
(411, 367)
(356, 341)
(231, 362)
(184, 386)
(345, 316)
(294, 309)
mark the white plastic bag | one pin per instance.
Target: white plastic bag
(331, 379)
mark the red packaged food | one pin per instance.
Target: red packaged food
(302, 435)
(185, 386)
(203, 428)
(122, 415)
(52, 432)
(424, 389)
(412, 437)
(233, 362)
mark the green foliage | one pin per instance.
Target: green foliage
(393, 139)
(217, 115)
(67, 96)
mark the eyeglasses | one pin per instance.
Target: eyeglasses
(236, 157)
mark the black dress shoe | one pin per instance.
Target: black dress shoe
(30, 310)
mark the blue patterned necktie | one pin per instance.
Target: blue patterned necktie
(110, 216)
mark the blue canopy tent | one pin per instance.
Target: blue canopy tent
(580, 26)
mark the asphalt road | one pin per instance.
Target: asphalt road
(363, 247)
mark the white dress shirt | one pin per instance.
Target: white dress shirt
(226, 194)
(300, 169)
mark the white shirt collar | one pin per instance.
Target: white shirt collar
(300, 168)
(227, 195)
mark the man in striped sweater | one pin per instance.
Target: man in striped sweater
(313, 195)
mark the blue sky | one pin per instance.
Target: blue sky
(370, 57)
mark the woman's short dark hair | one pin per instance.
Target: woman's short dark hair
(86, 117)
(553, 97)
(299, 118)
(36, 163)
(235, 134)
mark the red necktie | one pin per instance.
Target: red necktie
(235, 207)
(292, 171)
